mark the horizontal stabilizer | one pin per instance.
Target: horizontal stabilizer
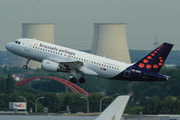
(115, 110)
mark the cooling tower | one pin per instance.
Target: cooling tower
(39, 31)
(110, 41)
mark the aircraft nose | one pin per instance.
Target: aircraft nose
(9, 46)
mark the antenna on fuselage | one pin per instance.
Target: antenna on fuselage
(35, 38)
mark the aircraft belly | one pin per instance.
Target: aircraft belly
(103, 72)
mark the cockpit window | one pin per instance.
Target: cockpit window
(17, 42)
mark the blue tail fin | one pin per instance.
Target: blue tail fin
(154, 60)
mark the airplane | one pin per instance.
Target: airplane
(57, 58)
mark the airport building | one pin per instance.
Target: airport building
(110, 41)
(39, 31)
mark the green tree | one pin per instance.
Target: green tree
(152, 106)
(10, 84)
(168, 105)
(51, 101)
(3, 85)
(75, 103)
(4, 101)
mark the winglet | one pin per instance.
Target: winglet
(115, 110)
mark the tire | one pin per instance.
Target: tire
(82, 80)
(25, 66)
(73, 80)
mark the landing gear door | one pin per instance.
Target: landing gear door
(28, 46)
(127, 72)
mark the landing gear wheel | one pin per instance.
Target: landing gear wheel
(25, 66)
(73, 80)
(82, 80)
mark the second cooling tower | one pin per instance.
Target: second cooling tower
(110, 41)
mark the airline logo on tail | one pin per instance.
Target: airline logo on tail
(155, 60)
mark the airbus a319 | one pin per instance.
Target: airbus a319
(57, 58)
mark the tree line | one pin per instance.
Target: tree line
(147, 97)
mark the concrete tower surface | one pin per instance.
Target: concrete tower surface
(40, 31)
(110, 41)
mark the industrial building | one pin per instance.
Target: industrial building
(110, 41)
(40, 31)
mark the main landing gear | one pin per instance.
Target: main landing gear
(26, 66)
(81, 80)
(74, 79)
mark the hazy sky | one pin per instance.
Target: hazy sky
(74, 20)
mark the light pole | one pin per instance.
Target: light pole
(101, 102)
(36, 102)
(24, 100)
(87, 104)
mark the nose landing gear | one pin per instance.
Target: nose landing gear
(26, 66)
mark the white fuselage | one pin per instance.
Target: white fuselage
(39, 50)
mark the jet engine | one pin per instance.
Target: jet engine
(51, 66)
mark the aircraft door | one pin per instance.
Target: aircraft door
(28, 46)
(127, 72)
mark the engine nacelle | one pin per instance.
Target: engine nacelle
(51, 66)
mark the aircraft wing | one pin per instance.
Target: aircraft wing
(73, 64)
(115, 110)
